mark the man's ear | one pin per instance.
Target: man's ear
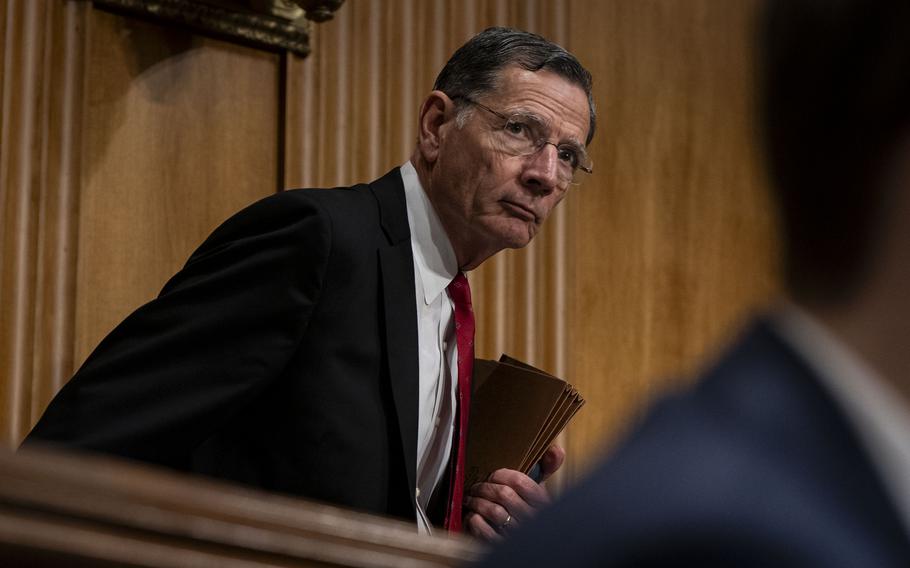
(436, 112)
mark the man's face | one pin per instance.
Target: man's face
(487, 199)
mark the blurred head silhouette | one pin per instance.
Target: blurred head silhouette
(835, 76)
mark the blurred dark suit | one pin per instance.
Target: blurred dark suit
(755, 466)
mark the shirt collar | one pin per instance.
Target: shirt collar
(434, 258)
(878, 412)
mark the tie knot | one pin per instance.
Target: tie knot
(460, 290)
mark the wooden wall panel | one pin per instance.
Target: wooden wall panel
(123, 145)
(180, 132)
(674, 240)
(4, 37)
(39, 153)
(19, 163)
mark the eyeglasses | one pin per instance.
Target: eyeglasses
(525, 135)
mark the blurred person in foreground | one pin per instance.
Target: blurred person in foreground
(794, 448)
(320, 342)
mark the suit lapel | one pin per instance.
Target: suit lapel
(396, 263)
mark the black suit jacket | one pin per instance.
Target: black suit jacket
(755, 466)
(283, 356)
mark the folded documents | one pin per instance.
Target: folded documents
(516, 413)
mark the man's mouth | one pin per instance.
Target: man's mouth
(519, 211)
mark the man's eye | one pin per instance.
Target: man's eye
(569, 156)
(517, 128)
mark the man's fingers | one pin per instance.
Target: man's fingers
(479, 527)
(551, 461)
(496, 514)
(503, 500)
(530, 492)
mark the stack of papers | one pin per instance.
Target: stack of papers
(516, 413)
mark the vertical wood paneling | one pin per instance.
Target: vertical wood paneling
(178, 135)
(371, 70)
(39, 153)
(5, 8)
(63, 73)
(42, 94)
(20, 163)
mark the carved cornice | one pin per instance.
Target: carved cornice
(275, 25)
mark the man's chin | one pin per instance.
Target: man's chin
(519, 240)
(513, 234)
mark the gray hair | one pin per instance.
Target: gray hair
(474, 68)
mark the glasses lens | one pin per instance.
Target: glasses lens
(519, 135)
(572, 162)
(524, 135)
(584, 168)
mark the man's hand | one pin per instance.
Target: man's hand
(509, 497)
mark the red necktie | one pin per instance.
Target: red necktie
(460, 292)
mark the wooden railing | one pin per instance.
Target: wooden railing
(60, 509)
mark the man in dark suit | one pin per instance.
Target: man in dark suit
(309, 346)
(794, 448)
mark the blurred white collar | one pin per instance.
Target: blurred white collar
(878, 412)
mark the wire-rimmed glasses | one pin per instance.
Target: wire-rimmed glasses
(525, 135)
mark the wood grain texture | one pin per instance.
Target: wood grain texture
(63, 509)
(61, 166)
(674, 241)
(180, 132)
(40, 152)
(5, 10)
(20, 161)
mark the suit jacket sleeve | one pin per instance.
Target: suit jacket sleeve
(220, 331)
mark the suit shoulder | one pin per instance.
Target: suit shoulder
(700, 455)
(317, 200)
(295, 211)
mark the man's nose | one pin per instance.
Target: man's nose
(541, 172)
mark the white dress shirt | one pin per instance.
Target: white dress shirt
(435, 266)
(878, 412)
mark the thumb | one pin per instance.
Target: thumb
(551, 461)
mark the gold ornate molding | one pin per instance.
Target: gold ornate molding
(275, 25)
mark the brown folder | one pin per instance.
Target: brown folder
(516, 413)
